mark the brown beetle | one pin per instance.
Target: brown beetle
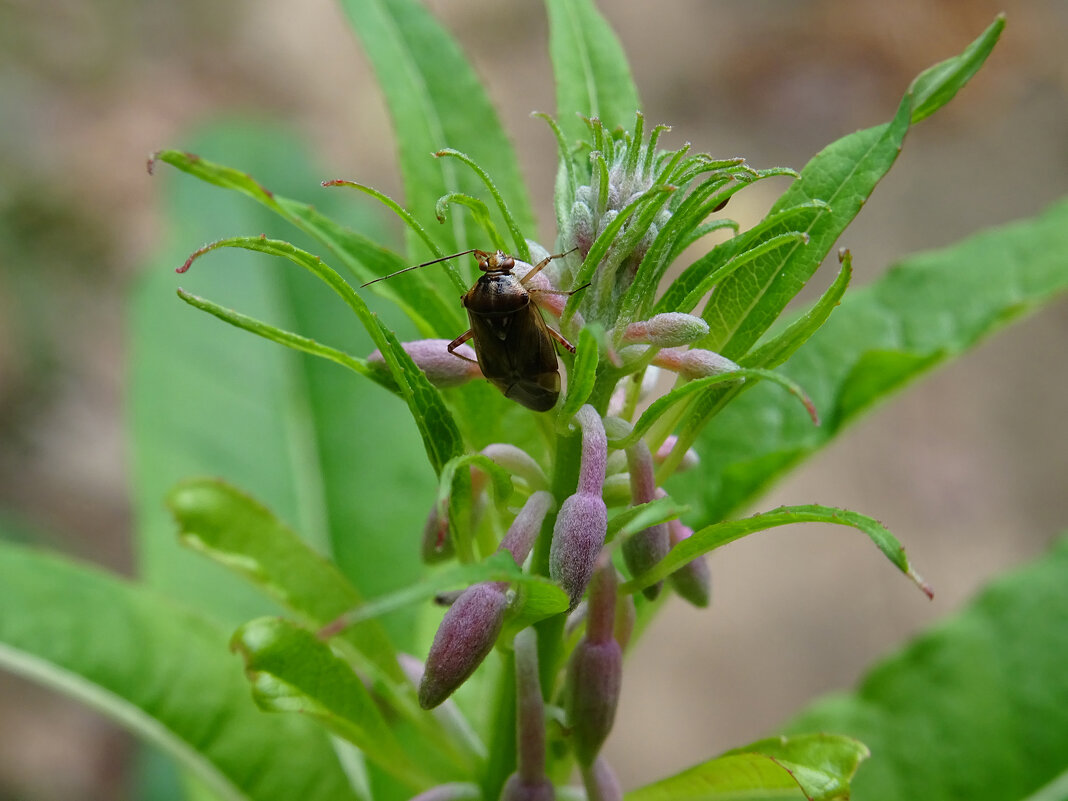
(513, 343)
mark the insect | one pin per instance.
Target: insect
(513, 343)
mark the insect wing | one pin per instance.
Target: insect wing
(516, 355)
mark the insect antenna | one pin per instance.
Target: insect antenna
(417, 266)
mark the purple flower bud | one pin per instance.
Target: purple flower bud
(524, 529)
(515, 789)
(643, 550)
(577, 539)
(690, 458)
(692, 581)
(443, 369)
(464, 638)
(595, 670)
(694, 363)
(582, 522)
(667, 330)
(601, 782)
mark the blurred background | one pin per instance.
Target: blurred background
(968, 469)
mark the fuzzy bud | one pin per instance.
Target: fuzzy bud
(643, 550)
(694, 363)
(579, 231)
(667, 330)
(595, 670)
(582, 523)
(601, 782)
(443, 369)
(692, 581)
(689, 460)
(466, 635)
(524, 529)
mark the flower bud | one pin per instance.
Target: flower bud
(694, 363)
(443, 369)
(577, 539)
(582, 523)
(521, 535)
(515, 789)
(689, 460)
(667, 330)
(643, 550)
(692, 581)
(464, 638)
(595, 670)
(601, 782)
(579, 226)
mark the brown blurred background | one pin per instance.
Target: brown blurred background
(968, 468)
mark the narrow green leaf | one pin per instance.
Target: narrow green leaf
(719, 534)
(814, 766)
(937, 85)
(777, 350)
(425, 303)
(436, 101)
(161, 671)
(592, 75)
(581, 377)
(924, 311)
(843, 175)
(635, 518)
(441, 437)
(679, 296)
(232, 528)
(498, 567)
(291, 670)
(665, 402)
(975, 708)
(287, 338)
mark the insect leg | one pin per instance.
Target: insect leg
(452, 346)
(541, 265)
(559, 338)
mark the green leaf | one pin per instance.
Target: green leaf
(924, 311)
(233, 529)
(441, 436)
(592, 75)
(719, 534)
(581, 377)
(422, 300)
(777, 350)
(813, 766)
(436, 101)
(161, 671)
(977, 707)
(498, 567)
(291, 670)
(208, 400)
(287, 338)
(843, 175)
(937, 85)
